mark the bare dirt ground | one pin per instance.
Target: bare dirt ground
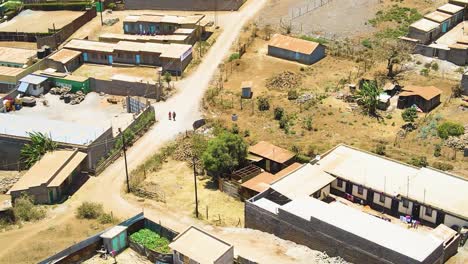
(103, 113)
(175, 184)
(106, 72)
(128, 256)
(259, 246)
(39, 21)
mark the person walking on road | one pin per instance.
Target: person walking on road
(173, 115)
(170, 115)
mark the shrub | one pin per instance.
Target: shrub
(409, 114)
(457, 91)
(263, 104)
(25, 210)
(302, 158)
(424, 72)
(234, 56)
(292, 95)
(380, 149)
(448, 128)
(284, 123)
(112, 6)
(89, 210)
(435, 66)
(151, 240)
(318, 40)
(279, 113)
(442, 166)
(437, 150)
(367, 43)
(235, 129)
(106, 218)
(308, 123)
(420, 161)
(247, 133)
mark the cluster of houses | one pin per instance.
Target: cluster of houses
(442, 33)
(321, 205)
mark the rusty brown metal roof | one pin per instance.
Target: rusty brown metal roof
(293, 44)
(271, 152)
(426, 92)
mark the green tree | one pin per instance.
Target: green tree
(168, 79)
(224, 153)
(409, 114)
(368, 96)
(279, 113)
(448, 129)
(40, 145)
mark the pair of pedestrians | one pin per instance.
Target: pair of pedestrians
(172, 115)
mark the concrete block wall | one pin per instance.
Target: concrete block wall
(124, 88)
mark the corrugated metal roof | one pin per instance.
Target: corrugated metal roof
(33, 79)
(425, 25)
(293, 44)
(64, 55)
(426, 92)
(271, 152)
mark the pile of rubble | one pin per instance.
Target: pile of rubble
(7, 182)
(184, 152)
(458, 143)
(304, 98)
(111, 21)
(67, 96)
(284, 81)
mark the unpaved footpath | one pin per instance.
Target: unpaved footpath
(107, 187)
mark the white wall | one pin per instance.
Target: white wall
(404, 210)
(324, 192)
(387, 203)
(452, 220)
(422, 215)
(334, 184)
(355, 192)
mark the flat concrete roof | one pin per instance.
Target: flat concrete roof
(141, 38)
(10, 71)
(82, 44)
(59, 131)
(64, 55)
(437, 16)
(450, 8)
(15, 55)
(425, 25)
(413, 244)
(160, 18)
(303, 182)
(50, 170)
(199, 245)
(113, 232)
(425, 185)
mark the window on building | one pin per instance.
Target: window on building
(405, 203)
(428, 211)
(382, 198)
(339, 183)
(360, 190)
(93, 55)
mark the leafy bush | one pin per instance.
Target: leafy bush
(380, 149)
(442, 166)
(292, 95)
(25, 210)
(302, 158)
(318, 40)
(284, 123)
(224, 153)
(112, 6)
(420, 161)
(437, 150)
(151, 240)
(424, 72)
(106, 218)
(263, 103)
(234, 56)
(246, 133)
(367, 43)
(402, 16)
(89, 210)
(435, 66)
(308, 123)
(235, 129)
(448, 128)
(457, 91)
(279, 113)
(409, 114)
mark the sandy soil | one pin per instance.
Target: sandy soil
(19, 44)
(258, 246)
(127, 256)
(39, 21)
(105, 72)
(103, 113)
(175, 183)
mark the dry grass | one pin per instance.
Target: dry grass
(175, 182)
(106, 72)
(332, 120)
(52, 240)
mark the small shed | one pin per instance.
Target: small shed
(442, 18)
(34, 85)
(294, 49)
(115, 239)
(75, 83)
(246, 88)
(424, 30)
(270, 157)
(425, 98)
(66, 60)
(456, 11)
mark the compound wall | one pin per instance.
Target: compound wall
(188, 5)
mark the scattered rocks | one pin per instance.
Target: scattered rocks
(7, 182)
(67, 96)
(284, 81)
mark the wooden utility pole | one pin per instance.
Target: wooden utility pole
(125, 158)
(195, 182)
(199, 37)
(102, 7)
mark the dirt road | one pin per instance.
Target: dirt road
(107, 188)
